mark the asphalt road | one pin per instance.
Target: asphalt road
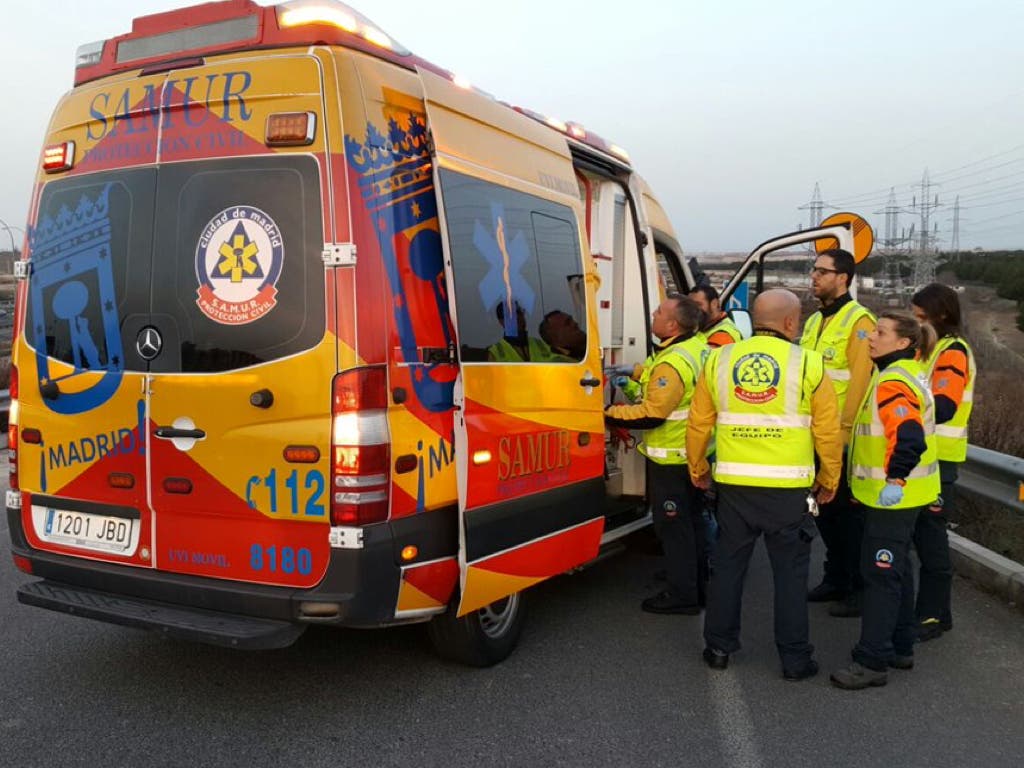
(595, 682)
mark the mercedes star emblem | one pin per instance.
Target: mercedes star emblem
(149, 343)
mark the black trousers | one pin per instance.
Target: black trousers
(744, 514)
(934, 595)
(676, 510)
(841, 524)
(887, 625)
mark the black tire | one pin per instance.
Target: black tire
(481, 638)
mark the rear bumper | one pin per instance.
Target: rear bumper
(183, 623)
(363, 584)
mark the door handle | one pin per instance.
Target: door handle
(169, 433)
(590, 382)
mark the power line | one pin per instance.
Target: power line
(997, 218)
(974, 206)
(1005, 189)
(982, 160)
(873, 197)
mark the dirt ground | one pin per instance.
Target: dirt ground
(992, 316)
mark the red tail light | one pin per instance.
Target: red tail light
(360, 447)
(12, 431)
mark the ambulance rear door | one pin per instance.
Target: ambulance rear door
(529, 442)
(240, 358)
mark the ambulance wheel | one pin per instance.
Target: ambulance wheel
(481, 638)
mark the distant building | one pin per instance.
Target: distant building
(7, 261)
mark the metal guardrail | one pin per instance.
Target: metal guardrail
(993, 475)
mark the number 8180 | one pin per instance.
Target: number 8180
(283, 559)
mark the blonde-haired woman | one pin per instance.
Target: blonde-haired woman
(893, 471)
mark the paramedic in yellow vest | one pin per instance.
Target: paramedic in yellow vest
(663, 387)
(839, 331)
(515, 344)
(561, 332)
(951, 372)
(893, 471)
(719, 329)
(774, 407)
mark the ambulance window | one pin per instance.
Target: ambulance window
(519, 289)
(238, 277)
(669, 272)
(90, 257)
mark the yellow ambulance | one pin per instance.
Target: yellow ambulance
(309, 332)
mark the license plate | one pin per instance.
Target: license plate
(83, 530)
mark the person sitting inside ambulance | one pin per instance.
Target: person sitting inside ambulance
(561, 332)
(515, 345)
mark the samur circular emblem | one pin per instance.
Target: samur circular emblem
(238, 264)
(756, 378)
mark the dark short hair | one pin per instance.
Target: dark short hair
(707, 290)
(843, 262)
(688, 315)
(941, 306)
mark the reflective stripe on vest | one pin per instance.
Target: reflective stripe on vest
(740, 419)
(762, 390)
(765, 471)
(502, 351)
(952, 435)
(831, 340)
(878, 473)
(666, 443)
(868, 452)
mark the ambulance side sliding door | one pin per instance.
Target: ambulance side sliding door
(528, 426)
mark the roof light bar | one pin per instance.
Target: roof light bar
(619, 152)
(297, 13)
(89, 54)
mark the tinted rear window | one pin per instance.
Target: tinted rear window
(238, 275)
(222, 257)
(90, 267)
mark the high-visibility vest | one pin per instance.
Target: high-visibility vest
(666, 443)
(762, 389)
(951, 437)
(869, 448)
(831, 343)
(502, 351)
(725, 325)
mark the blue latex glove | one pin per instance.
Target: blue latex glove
(890, 495)
(620, 381)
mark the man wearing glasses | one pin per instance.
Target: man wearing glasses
(839, 331)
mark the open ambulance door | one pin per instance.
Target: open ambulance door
(840, 230)
(529, 429)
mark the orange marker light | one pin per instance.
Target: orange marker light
(291, 129)
(120, 480)
(177, 485)
(409, 553)
(302, 454)
(481, 457)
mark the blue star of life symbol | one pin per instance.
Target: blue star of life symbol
(506, 255)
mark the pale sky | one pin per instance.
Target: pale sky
(732, 109)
